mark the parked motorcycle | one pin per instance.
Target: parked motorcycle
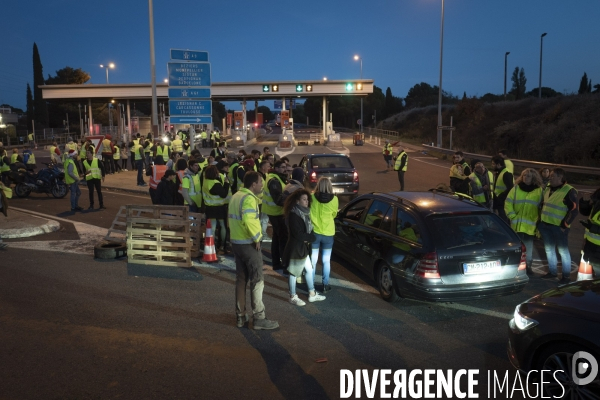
(49, 180)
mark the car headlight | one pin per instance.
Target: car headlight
(522, 322)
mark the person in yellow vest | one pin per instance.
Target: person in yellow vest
(590, 207)
(522, 207)
(161, 149)
(401, 166)
(70, 145)
(191, 188)
(273, 207)
(107, 154)
(14, 155)
(72, 179)
(503, 182)
(138, 154)
(116, 157)
(181, 166)
(481, 182)
(132, 147)
(54, 153)
(558, 212)
(220, 151)
(263, 170)
(388, 149)
(31, 140)
(124, 156)
(204, 137)
(509, 164)
(459, 174)
(245, 230)
(215, 189)
(4, 166)
(177, 145)
(148, 145)
(29, 159)
(234, 164)
(94, 176)
(155, 172)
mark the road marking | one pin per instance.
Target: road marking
(425, 162)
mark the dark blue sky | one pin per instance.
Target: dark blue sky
(399, 41)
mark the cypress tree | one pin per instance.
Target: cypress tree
(40, 109)
(29, 109)
(583, 84)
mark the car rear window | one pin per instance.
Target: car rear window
(330, 162)
(462, 230)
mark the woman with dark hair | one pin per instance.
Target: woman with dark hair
(215, 189)
(545, 174)
(296, 255)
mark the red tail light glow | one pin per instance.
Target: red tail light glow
(355, 176)
(428, 267)
(313, 177)
(523, 262)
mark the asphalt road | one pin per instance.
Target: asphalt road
(73, 327)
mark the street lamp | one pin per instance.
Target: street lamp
(107, 66)
(541, 45)
(439, 130)
(357, 58)
(324, 78)
(505, 63)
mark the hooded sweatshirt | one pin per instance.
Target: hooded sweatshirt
(323, 209)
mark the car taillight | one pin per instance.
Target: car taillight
(523, 262)
(355, 176)
(428, 267)
(313, 177)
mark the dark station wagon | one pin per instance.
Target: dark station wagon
(337, 167)
(431, 246)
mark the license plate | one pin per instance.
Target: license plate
(481, 267)
(338, 190)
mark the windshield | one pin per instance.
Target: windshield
(453, 231)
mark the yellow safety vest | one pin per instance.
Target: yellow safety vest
(192, 184)
(162, 151)
(399, 161)
(82, 151)
(13, 158)
(500, 187)
(269, 207)
(211, 200)
(203, 135)
(593, 237)
(509, 166)
(554, 209)
(30, 137)
(117, 153)
(389, 148)
(177, 145)
(523, 209)
(52, 151)
(68, 178)
(94, 170)
(243, 217)
(227, 199)
(31, 159)
(232, 177)
(136, 149)
(480, 198)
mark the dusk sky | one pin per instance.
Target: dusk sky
(267, 40)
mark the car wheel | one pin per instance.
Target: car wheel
(559, 357)
(385, 283)
(110, 250)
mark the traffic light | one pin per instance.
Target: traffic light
(299, 88)
(350, 87)
(309, 88)
(265, 88)
(275, 88)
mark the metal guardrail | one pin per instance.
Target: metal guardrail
(523, 163)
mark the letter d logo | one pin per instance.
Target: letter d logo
(589, 366)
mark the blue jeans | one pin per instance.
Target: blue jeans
(139, 164)
(75, 193)
(222, 231)
(528, 242)
(309, 274)
(325, 243)
(555, 238)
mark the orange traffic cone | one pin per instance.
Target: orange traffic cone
(210, 254)
(585, 270)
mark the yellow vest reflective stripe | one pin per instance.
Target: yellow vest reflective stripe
(399, 161)
(269, 207)
(244, 202)
(593, 237)
(500, 186)
(177, 145)
(158, 171)
(117, 153)
(211, 200)
(480, 198)
(194, 190)
(554, 209)
(94, 170)
(68, 179)
(136, 149)
(522, 208)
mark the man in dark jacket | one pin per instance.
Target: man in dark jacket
(273, 207)
(166, 191)
(503, 183)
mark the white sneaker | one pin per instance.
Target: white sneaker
(125, 170)
(266, 239)
(297, 301)
(316, 297)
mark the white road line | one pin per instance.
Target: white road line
(425, 162)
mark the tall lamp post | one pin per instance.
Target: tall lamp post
(107, 66)
(505, 64)
(439, 130)
(541, 46)
(357, 58)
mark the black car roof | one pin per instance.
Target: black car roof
(434, 202)
(327, 155)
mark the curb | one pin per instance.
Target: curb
(50, 226)
(132, 191)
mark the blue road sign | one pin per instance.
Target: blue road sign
(199, 119)
(200, 93)
(189, 55)
(189, 73)
(278, 103)
(190, 107)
